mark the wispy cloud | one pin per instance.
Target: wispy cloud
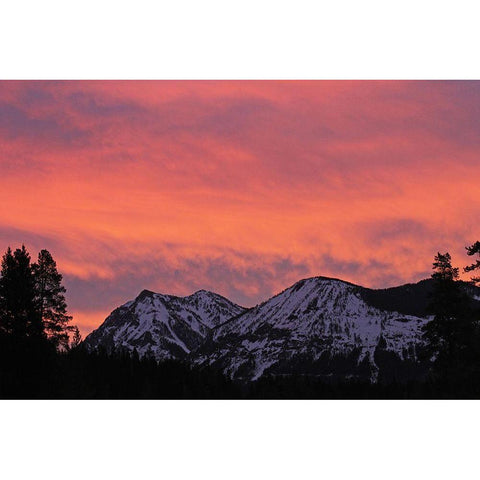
(239, 187)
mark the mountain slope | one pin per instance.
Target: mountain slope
(165, 326)
(412, 298)
(317, 326)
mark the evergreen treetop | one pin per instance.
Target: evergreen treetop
(474, 250)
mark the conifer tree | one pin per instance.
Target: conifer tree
(50, 300)
(19, 317)
(450, 333)
(7, 325)
(474, 250)
(77, 337)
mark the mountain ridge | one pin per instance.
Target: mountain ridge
(317, 326)
(169, 325)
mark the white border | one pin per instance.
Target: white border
(342, 39)
(238, 440)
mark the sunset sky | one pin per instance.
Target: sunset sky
(241, 187)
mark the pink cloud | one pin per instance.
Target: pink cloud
(221, 182)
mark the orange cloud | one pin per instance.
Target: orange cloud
(240, 187)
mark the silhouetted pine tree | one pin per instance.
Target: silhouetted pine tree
(19, 317)
(77, 338)
(50, 300)
(450, 334)
(474, 250)
(7, 324)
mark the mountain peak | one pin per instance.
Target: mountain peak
(320, 278)
(199, 293)
(202, 291)
(144, 294)
(168, 326)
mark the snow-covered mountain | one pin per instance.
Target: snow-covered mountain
(318, 326)
(165, 326)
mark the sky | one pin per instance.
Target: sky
(239, 187)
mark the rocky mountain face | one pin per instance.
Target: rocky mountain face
(164, 326)
(319, 326)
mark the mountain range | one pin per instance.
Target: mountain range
(319, 326)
